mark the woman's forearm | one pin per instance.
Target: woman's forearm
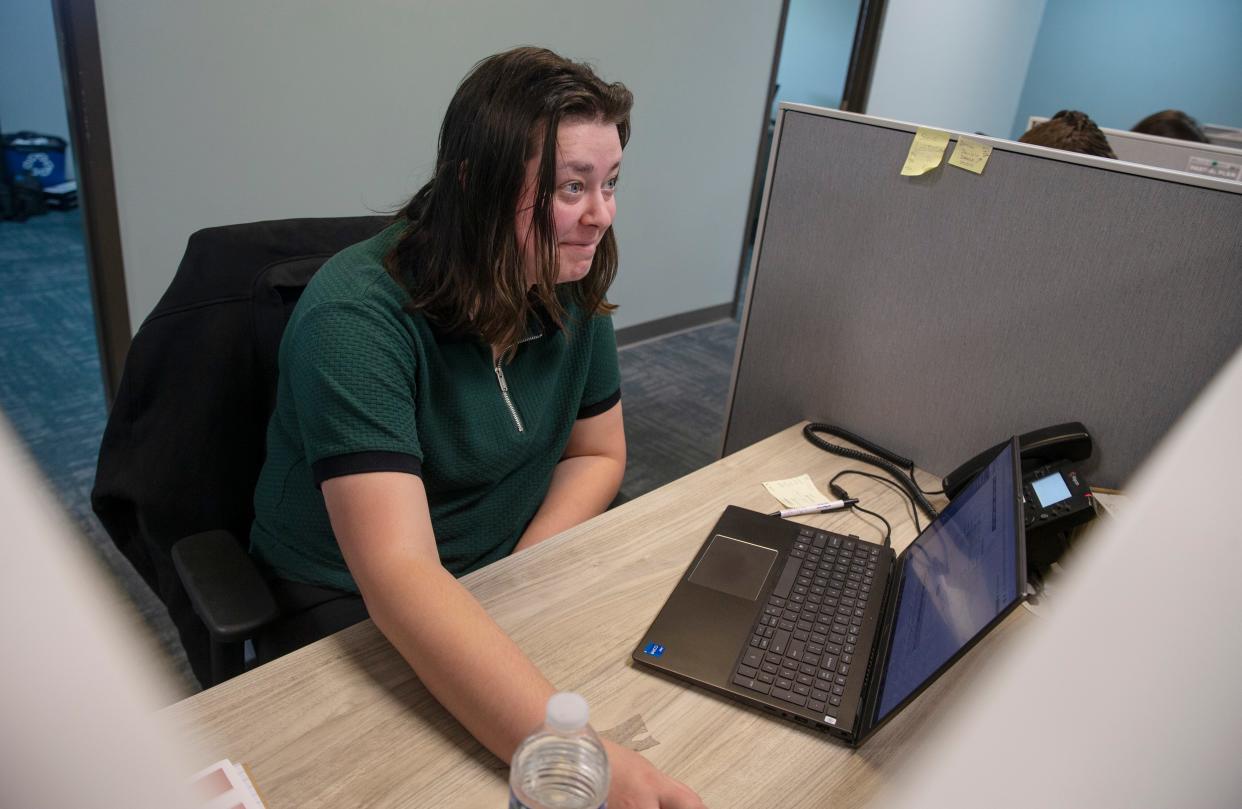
(581, 488)
(464, 659)
(459, 653)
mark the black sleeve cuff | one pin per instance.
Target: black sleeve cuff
(358, 462)
(603, 406)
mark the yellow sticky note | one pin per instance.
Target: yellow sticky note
(926, 151)
(970, 155)
(796, 492)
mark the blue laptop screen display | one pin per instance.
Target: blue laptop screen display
(960, 574)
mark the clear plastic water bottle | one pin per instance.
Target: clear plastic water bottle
(562, 765)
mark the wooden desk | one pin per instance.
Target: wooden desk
(345, 723)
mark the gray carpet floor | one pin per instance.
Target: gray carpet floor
(673, 390)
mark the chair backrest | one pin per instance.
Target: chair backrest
(185, 439)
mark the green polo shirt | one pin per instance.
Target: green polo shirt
(365, 386)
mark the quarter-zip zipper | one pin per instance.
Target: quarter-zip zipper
(504, 386)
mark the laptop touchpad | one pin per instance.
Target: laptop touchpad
(734, 567)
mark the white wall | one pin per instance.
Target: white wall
(32, 94)
(238, 110)
(957, 64)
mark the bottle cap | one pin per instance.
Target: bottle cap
(567, 711)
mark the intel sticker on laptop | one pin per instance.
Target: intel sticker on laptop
(653, 649)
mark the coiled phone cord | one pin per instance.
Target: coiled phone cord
(890, 462)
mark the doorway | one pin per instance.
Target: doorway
(51, 382)
(64, 324)
(825, 55)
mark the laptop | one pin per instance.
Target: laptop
(834, 632)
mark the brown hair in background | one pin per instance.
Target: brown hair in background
(1171, 124)
(1072, 131)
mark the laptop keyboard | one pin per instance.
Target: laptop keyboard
(802, 646)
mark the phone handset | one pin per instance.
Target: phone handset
(1069, 442)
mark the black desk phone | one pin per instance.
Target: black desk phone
(1057, 495)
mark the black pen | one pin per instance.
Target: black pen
(819, 508)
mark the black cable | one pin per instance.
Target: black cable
(841, 493)
(1036, 581)
(890, 462)
(888, 529)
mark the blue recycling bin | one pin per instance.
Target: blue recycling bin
(40, 156)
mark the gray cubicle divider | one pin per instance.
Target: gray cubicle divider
(1210, 159)
(1229, 136)
(937, 315)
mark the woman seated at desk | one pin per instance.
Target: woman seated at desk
(449, 394)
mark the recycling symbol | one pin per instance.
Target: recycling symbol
(38, 164)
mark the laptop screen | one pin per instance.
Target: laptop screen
(960, 575)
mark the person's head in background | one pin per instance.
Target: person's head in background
(503, 219)
(1171, 124)
(1072, 131)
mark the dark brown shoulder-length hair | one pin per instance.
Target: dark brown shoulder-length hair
(1072, 131)
(1171, 124)
(458, 257)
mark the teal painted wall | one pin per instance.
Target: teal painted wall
(32, 94)
(1119, 62)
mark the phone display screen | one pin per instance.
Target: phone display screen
(1051, 489)
(960, 574)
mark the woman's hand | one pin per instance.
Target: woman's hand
(637, 784)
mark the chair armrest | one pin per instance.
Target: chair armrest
(224, 584)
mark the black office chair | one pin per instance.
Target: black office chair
(185, 439)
